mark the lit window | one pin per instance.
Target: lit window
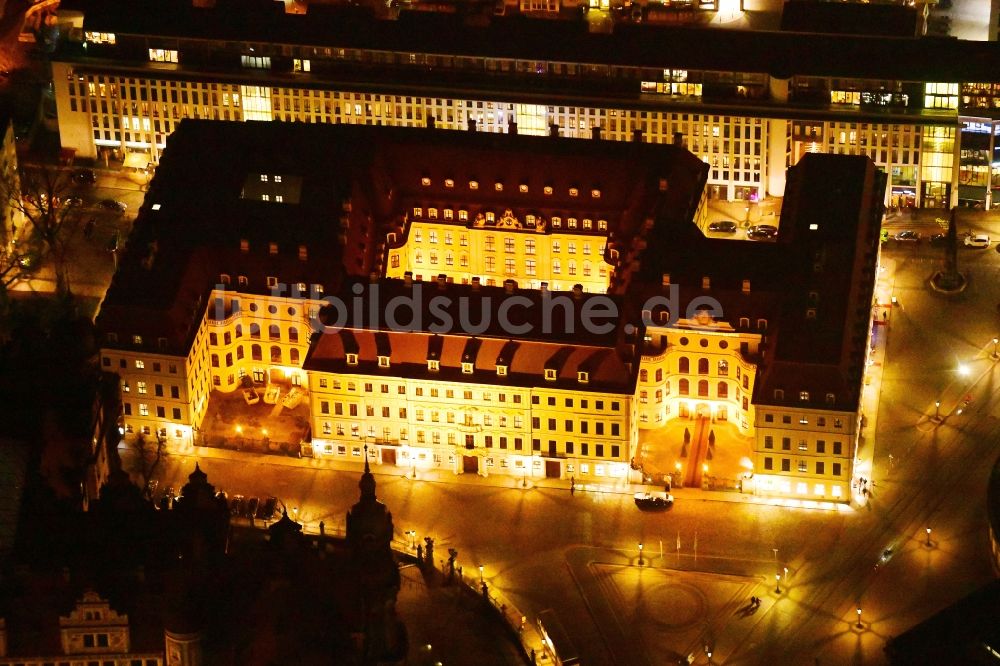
(277, 179)
(466, 368)
(523, 188)
(473, 185)
(433, 365)
(583, 377)
(804, 396)
(263, 177)
(448, 182)
(383, 361)
(498, 186)
(595, 194)
(547, 190)
(352, 359)
(162, 55)
(156, 206)
(550, 374)
(425, 181)
(573, 192)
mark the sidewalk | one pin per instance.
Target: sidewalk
(496, 480)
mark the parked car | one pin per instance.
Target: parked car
(723, 226)
(657, 500)
(908, 236)
(85, 177)
(980, 241)
(73, 201)
(266, 509)
(938, 240)
(251, 396)
(271, 394)
(111, 204)
(762, 232)
(251, 507)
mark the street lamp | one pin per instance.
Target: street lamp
(480, 574)
(994, 355)
(859, 625)
(937, 410)
(963, 369)
(777, 581)
(928, 544)
(413, 538)
(640, 553)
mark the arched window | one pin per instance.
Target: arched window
(293, 334)
(723, 390)
(239, 330)
(274, 332)
(703, 388)
(723, 368)
(659, 375)
(684, 387)
(294, 356)
(275, 354)
(239, 352)
(684, 365)
(556, 265)
(255, 331)
(255, 353)
(643, 375)
(702, 366)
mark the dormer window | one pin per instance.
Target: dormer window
(244, 245)
(602, 225)
(583, 377)
(529, 220)
(383, 361)
(550, 375)
(663, 184)
(831, 398)
(501, 371)
(272, 282)
(241, 280)
(303, 253)
(779, 394)
(448, 182)
(523, 188)
(466, 368)
(463, 216)
(596, 194)
(762, 324)
(498, 186)
(588, 224)
(112, 337)
(137, 339)
(473, 185)
(418, 212)
(433, 365)
(547, 190)
(432, 213)
(425, 181)
(277, 179)
(272, 248)
(449, 214)
(263, 177)
(556, 222)
(352, 359)
(571, 222)
(224, 279)
(574, 192)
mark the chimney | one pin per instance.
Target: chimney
(430, 122)
(636, 135)
(679, 139)
(442, 281)
(666, 279)
(408, 278)
(746, 286)
(475, 283)
(706, 283)
(509, 286)
(554, 130)
(472, 124)
(511, 126)
(595, 132)
(577, 291)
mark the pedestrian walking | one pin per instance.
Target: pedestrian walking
(572, 485)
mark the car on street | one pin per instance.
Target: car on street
(762, 232)
(723, 226)
(85, 177)
(111, 204)
(939, 240)
(908, 236)
(293, 398)
(73, 201)
(251, 396)
(654, 500)
(980, 241)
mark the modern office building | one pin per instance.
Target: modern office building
(749, 104)
(278, 272)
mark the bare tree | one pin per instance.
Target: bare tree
(148, 452)
(39, 198)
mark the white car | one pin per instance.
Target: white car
(977, 240)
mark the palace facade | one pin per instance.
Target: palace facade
(284, 272)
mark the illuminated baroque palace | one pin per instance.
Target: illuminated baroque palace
(303, 268)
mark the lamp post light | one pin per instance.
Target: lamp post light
(928, 542)
(777, 583)
(963, 369)
(937, 410)
(859, 625)
(995, 355)
(480, 574)
(413, 538)
(640, 553)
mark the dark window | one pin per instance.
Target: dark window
(820, 446)
(615, 428)
(683, 388)
(175, 392)
(836, 469)
(552, 424)
(177, 414)
(536, 445)
(552, 447)
(615, 451)
(703, 388)
(820, 468)
(836, 448)
(600, 450)
(569, 425)
(684, 365)
(768, 463)
(569, 448)
(599, 428)
(702, 366)
(768, 442)
(536, 422)
(786, 465)
(786, 443)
